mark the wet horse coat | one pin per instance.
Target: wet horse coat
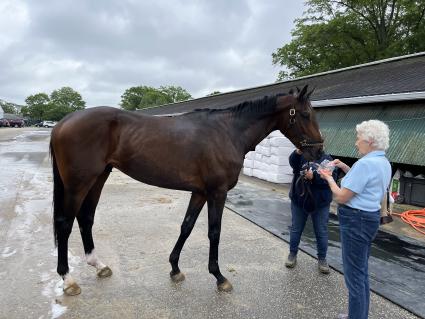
(201, 152)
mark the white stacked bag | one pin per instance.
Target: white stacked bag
(270, 161)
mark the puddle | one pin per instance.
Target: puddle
(30, 157)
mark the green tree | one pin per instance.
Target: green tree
(334, 34)
(175, 93)
(131, 98)
(140, 97)
(67, 98)
(9, 108)
(63, 102)
(37, 106)
(153, 97)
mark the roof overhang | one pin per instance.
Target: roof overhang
(409, 96)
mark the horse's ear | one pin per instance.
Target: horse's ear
(310, 93)
(298, 89)
(301, 96)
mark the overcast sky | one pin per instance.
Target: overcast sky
(101, 48)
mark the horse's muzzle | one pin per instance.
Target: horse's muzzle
(312, 153)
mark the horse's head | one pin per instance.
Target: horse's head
(298, 123)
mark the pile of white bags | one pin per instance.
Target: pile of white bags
(269, 161)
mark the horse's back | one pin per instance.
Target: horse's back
(95, 123)
(182, 152)
(87, 118)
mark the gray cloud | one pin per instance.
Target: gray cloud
(101, 48)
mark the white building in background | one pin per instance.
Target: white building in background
(270, 160)
(1, 112)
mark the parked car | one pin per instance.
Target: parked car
(4, 123)
(49, 123)
(16, 122)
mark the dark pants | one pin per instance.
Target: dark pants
(320, 220)
(357, 230)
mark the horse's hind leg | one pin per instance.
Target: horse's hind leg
(196, 203)
(85, 220)
(63, 226)
(215, 213)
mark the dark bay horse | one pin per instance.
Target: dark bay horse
(201, 152)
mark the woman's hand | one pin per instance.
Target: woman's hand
(325, 174)
(308, 174)
(340, 164)
(341, 195)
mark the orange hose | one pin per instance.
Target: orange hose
(415, 218)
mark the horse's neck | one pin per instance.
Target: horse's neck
(255, 130)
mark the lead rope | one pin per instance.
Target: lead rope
(305, 192)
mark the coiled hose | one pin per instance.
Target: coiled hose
(415, 218)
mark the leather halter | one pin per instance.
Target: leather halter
(303, 143)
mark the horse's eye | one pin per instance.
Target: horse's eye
(305, 114)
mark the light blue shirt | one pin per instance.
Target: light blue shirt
(369, 179)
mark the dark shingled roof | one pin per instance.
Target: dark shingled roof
(404, 74)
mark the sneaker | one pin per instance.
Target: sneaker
(291, 261)
(342, 316)
(323, 266)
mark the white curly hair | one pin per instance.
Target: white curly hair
(375, 131)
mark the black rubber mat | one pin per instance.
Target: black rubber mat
(396, 264)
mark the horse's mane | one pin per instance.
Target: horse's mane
(263, 106)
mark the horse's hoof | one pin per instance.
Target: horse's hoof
(104, 272)
(177, 277)
(225, 286)
(72, 290)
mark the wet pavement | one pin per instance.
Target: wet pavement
(135, 229)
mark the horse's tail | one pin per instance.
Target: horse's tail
(58, 193)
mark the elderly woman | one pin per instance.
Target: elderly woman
(359, 198)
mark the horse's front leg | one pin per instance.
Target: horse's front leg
(215, 213)
(196, 203)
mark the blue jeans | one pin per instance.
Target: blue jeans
(357, 230)
(320, 219)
